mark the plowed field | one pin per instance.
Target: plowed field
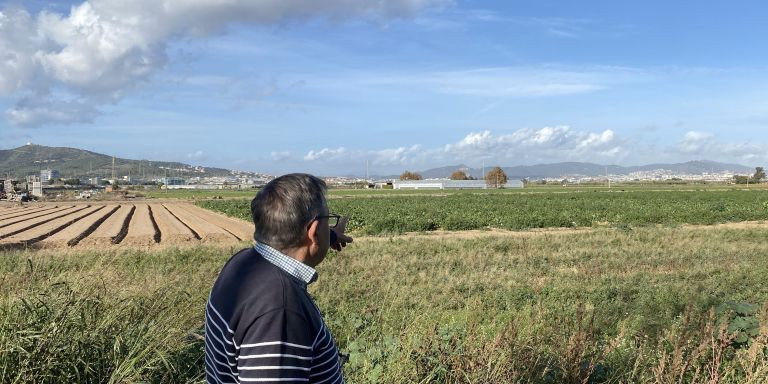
(98, 225)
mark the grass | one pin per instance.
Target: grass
(608, 305)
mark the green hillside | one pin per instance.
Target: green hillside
(72, 162)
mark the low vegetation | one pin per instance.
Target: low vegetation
(624, 302)
(640, 306)
(518, 211)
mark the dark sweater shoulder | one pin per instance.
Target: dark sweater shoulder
(250, 286)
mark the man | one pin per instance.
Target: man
(261, 325)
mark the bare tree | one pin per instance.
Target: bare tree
(496, 178)
(408, 175)
(459, 175)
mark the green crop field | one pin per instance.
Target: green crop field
(396, 213)
(624, 301)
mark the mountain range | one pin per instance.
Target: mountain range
(558, 170)
(73, 162)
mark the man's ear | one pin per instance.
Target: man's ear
(312, 233)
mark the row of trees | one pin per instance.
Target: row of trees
(758, 177)
(495, 178)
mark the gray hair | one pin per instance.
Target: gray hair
(283, 208)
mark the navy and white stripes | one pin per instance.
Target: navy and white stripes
(262, 326)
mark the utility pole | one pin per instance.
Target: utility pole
(366, 171)
(607, 177)
(482, 175)
(113, 169)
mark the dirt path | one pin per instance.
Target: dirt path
(13, 229)
(494, 232)
(172, 231)
(109, 229)
(49, 227)
(206, 231)
(241, 229)
(72, 234)
(29, 215)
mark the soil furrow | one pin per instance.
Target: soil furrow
(135, 226)
(109, 229)
(30, 215)
(77, 231)
(15, 212)
(49, 228)
(29, 224)
(241, 229)
(172, 231)
(207, 231)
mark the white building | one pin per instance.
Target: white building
(48, 174)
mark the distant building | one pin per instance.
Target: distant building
(449, 184)
(37, 188)
(173, 181)
(47, 174)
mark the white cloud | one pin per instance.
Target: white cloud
(548, 144)
(696, 143)
(383, 157)
(326, 154)
(503, 82)
(103, 48)
(707, 145)
(42, 109)
(280, 155)
(197, 155)
(561, 143)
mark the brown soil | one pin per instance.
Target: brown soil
(206, 231)
(109, 229)
(172, 231)
(241, 229)
(76, 231)
(141, 230)
(47, 228)
(494, 232)
(10, 212)
(472, 234)
(737, 225)
(29, 214)
(28, 224)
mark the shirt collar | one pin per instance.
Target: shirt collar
(288, 264)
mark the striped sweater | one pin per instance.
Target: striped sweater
(261, 325)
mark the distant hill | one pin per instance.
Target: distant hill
(30, 159)
(540, 171)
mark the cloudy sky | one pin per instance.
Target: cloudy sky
(324, 86)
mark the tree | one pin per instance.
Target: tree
(759, 174)
(496, 178)
(459, 175)
(741, 179)
(408, 175)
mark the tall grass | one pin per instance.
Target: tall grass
(613, 306)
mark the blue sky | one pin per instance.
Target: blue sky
(323, 87)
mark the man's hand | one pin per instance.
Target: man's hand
(341, 238)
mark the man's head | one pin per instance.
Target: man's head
(284, 213)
